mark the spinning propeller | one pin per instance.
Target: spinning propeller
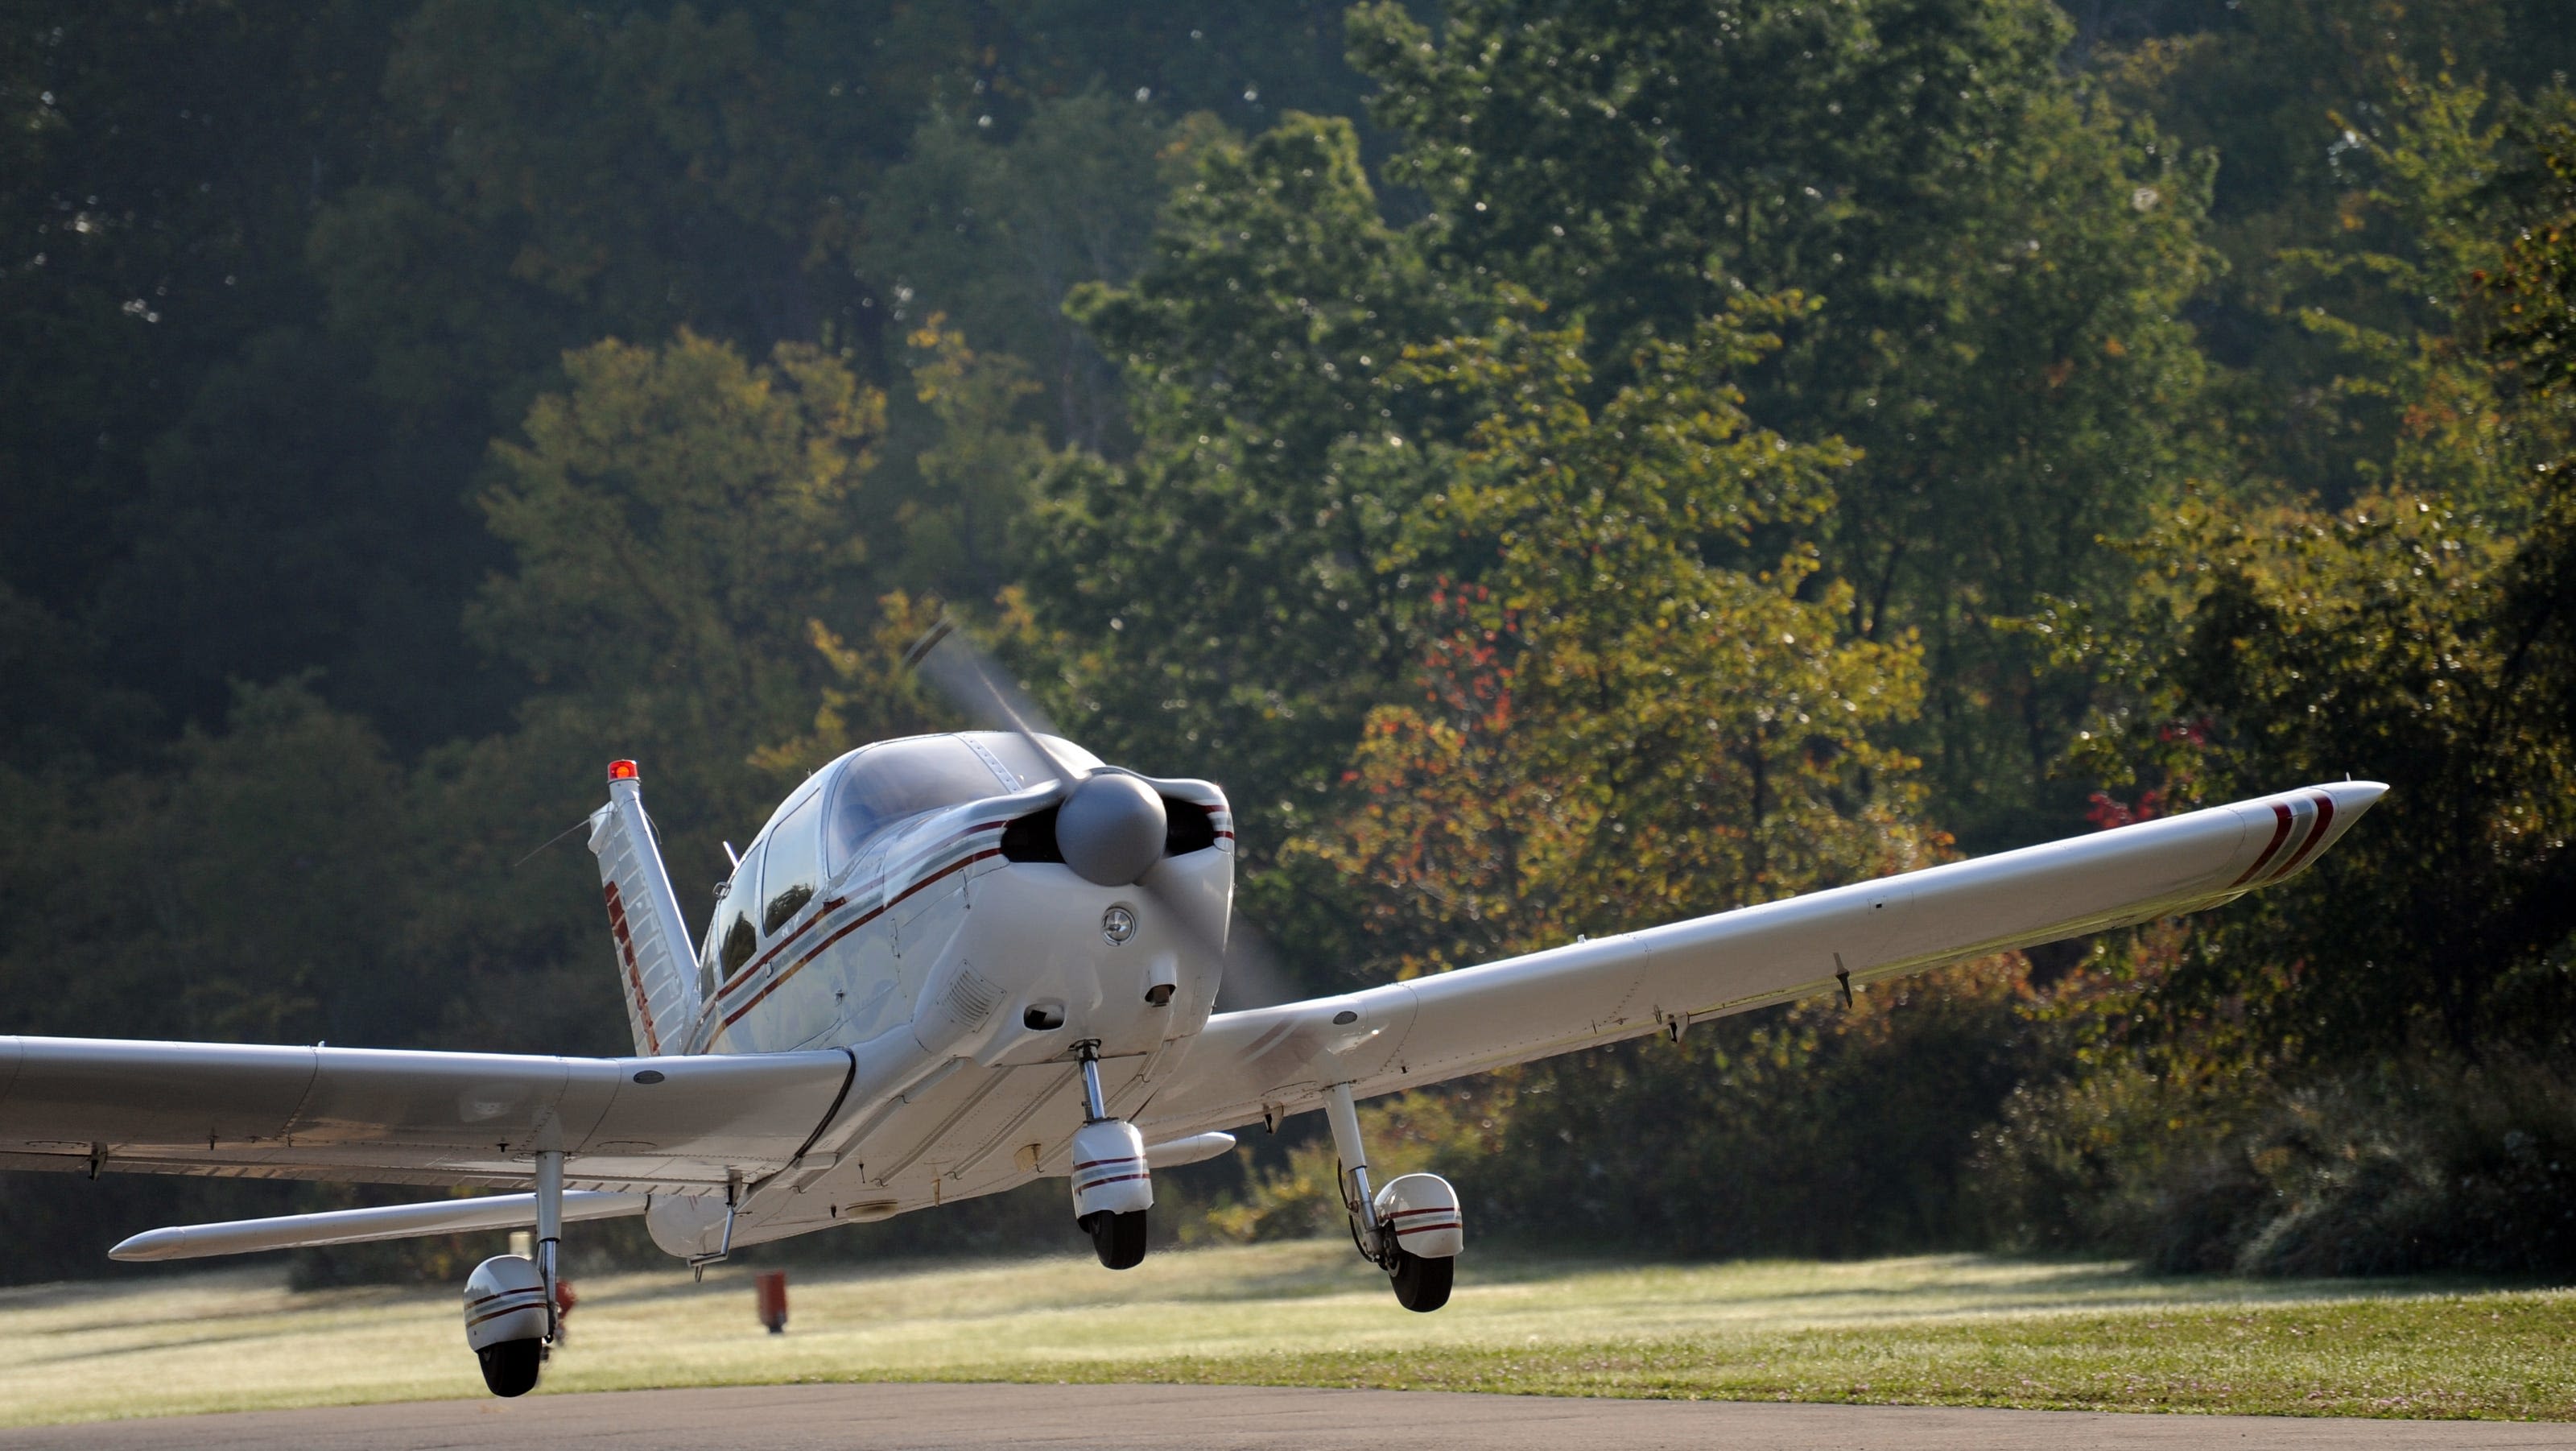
(1110, 825)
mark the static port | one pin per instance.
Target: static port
(1043, 1017)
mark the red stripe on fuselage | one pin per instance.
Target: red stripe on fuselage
(836, 904)
(853, 925)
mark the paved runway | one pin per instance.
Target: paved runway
(1077, 1418)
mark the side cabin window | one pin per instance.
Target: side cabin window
(739, 940)
(711, 976)
(889, 783)
(795, 869)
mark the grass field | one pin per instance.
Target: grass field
(1949, 1330)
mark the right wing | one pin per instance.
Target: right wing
(390, 1116)
(1269, 1062)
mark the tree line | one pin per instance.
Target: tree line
(1561, 467)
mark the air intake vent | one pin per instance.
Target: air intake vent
(1032, 838)
(971, 997)
(1188, 827)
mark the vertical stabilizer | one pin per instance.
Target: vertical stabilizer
(654, 964)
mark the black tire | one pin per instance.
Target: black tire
(510, 1368)
(1422, 1285)
(1119, 1239)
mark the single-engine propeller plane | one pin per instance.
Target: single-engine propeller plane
(952, 964)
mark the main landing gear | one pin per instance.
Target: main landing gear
(1112, 1187)
(510, 1300)
(1411, 1229)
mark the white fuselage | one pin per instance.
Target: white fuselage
(961, 981)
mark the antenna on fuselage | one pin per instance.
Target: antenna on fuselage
(550, 841)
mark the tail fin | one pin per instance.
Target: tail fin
(654, 963)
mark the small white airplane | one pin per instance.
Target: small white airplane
(952, 964)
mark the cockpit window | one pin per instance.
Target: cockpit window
(795, 864)
(887, 783)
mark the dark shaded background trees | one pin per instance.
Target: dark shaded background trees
(1558, 465)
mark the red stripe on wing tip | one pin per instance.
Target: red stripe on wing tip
(2316, 834)
(2280, 833)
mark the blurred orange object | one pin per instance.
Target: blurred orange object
(773, 1300)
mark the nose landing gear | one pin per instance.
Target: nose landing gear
(1412, 1228)
(1112, 1186)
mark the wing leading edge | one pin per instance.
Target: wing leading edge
(387, 1116)
(1274, 1061)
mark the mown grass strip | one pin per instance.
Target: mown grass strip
(1933, 1330)
(2485, 1356)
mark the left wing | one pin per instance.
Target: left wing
(1270, 1062)
(372, 1115)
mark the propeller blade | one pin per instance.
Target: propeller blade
(1251, 977)
(984, 693)
(976, 685)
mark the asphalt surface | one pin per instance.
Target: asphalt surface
(939, 1417)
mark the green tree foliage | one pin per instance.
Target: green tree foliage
(653, 167)
(1575, 493)
(679, 517)
(151, 229)
(1637, 713)
(2358, 1072)
(1222, 587)
(993, 235)
(2419, 637)
(2408, 400)
(958, 533)
(1820, 1130)
(2295, 97)
(2305, 645)
(236, 895)
(2002, 256)
(1624, 721)
(159, 376)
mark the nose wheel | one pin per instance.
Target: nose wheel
(1118, 1238)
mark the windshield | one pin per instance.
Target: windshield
(887, 783)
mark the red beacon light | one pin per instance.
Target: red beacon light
(623, 771)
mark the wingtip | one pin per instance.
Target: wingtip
(151, 1244)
